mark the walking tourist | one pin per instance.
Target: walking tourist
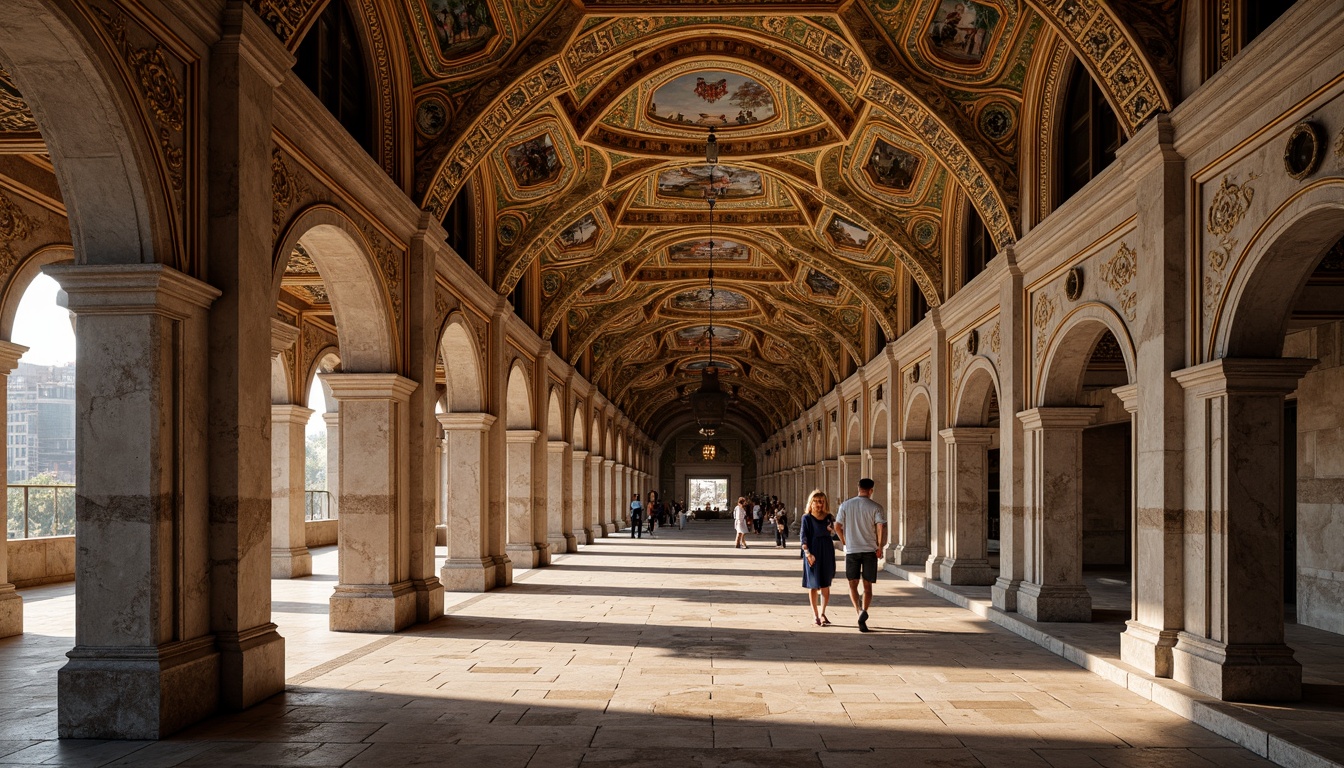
(861, 524)
(636, 518)
(741, 523)
(818, 555)
(781, 523)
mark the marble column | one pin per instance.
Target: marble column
(610, 500)
(936, 376)
(1232, 645)
(810, 484)
(333, 421)
(470, 566)
(967, 531)
(522, 546)
(875, 461)
(597, 502)
(832, 483)
(1053, 589)
(375, 593)
(1013, 356)
(557, 466)
(581, 498)
(441, 495)
(247, 64)
(146, 660)
(11, 604)
(290, 557)
(851, 469)
(911, 544)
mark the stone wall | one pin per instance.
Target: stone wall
(1320, 478)
(1106, 495)
(45, 560)
(320, 533)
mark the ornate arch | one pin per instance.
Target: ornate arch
(1060, 374)
(463, 364)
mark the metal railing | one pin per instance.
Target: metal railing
(39, 510)
(316, 505)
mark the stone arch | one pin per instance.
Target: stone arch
(576, 430)
(23, 277)
(555, 420)
(462, 366)
(327, 360)
(877, 427)
(854, 435)
(1252, 319)
(833, 445)
(917, 423)
(107, 167)
(599, 445)
(1060, 380)
(363, 311)
(518, 400)
(979, 383)
(280, 379)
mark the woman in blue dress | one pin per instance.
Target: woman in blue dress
(818, 555)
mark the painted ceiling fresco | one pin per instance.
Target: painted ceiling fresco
(850, 136)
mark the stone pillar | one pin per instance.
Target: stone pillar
(441, 495)
(470, 567)
(146, 660)
(911, 545)
(557, 466)
(521, 545)
(1053, 589)
(1158, 429)
(875, 460)
(809, 485)
(597, 502)
(247, 63)
(290, 557)
(851, 469)
(422, 434)
(375, 593)
(11, 604)
(967, 452)
(610, 520)
(581, 498)
(333, 422)
(1012, 361)
(1232, 644)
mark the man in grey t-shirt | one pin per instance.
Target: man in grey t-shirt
(862, 526)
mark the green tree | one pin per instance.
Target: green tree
(315, 462)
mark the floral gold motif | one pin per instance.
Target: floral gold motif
(1041, 315)
(286, 189)
(1121, 268)
(1228, 208)
(15, 225)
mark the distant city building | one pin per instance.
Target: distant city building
(40, 438)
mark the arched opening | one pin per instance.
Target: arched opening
(1078, 474)
(526, 526)
(331, 62)
(968, 525)
(1090, 134)
(913, 454)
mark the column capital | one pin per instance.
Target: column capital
(333, 419)
(1251, 376)
(912, 446)
(876, 453)
(1129, 396)
(368, 386)
(608, 462)
(556, 446)
(522, 435)
(290, 414)
(465, 422)
(121, 289)
(1057, 418)
(970, 435)
(9, 356)
(283, 336)
(580, 455)
(593, 460)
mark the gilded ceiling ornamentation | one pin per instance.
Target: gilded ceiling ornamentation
(15, 226)
(15, 116)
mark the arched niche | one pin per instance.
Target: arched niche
(979, 389)
(916, 424)
(364, 320)
(462, 366)
(327, 360)
(576, 430)
(1070, 350)
(23, 277)
(555, 420)
(518, 400)
(878, 427)
(854, 436)
(92, 126)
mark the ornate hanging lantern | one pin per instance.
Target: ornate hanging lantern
(708, 451)
(709, 404)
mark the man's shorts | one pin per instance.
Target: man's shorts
(864, 563)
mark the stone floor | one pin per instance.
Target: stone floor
(672, 651)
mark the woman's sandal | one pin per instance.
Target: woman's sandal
(818, 622)
(825, 622)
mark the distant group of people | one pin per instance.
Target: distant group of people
(756, 513)
(656, 514)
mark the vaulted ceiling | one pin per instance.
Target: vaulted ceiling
(851, 136)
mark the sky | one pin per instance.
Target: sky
(43, 326)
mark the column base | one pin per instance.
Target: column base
(966, 572)
(571, 543)
(1054, 602)
(372, 607)
(428, 599)
(588, 536)
(291, 563)
(503, 570)
(558, 544)
(1004, 593)
(468, 575)
(1237, 672)
(1147, 648)
(11, 611)
(251, 665)
(901, 555)
(608, 529)
(529, 555)
(137, 693)
(440, 535)
(933, 567)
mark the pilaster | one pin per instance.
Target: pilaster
(290, 557)
(522, 546)
(469, 566)
(581, 498)
(911, 544)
